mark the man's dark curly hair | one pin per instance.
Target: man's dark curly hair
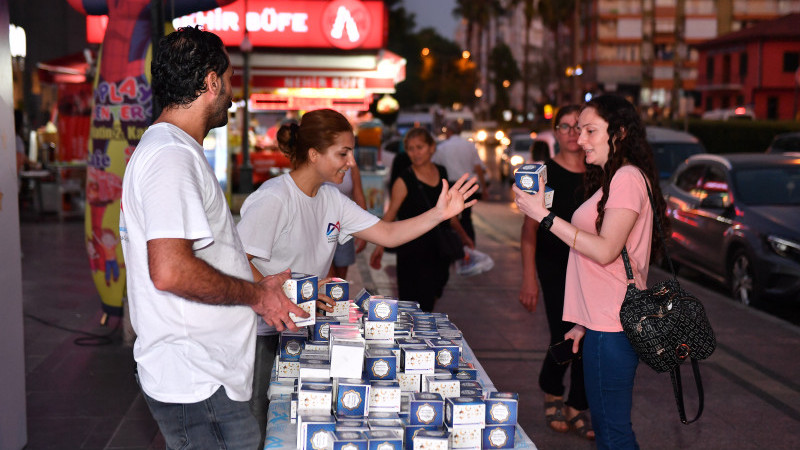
(627, 142)
(183, 60)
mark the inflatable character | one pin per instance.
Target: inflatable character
(122, 110)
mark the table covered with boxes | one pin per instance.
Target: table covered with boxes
(379, 374)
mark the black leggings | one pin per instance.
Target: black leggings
(551, 378)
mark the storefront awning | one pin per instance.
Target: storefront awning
(75, 68)
(304, 81)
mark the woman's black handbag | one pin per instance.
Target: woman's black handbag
(667, 325)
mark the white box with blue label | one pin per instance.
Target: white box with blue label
(431, 440)
(292, 344)
(314, 398)
(499, 436)
(322, 328)
(380, 364)
(302, 289)
(409, 382)
(337, 289)
(426, 408)
(466, 438)
(384, 396)
(529, 177)
(417, 359)
(447, 353)
(411, 431)
(382, 308)
(378, 330)
(384, 440)
(349, 440)
(501, 408)
(352, 397)
(315, 431)
(464, 411)
(445, 384)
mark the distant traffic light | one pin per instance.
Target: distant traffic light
(548, 111)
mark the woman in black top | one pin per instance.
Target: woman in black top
(422, 272)
(546, 256)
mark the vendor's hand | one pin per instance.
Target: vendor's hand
(453, 200)
(532, 205)
(324, 302)
(576, 334)
(375, 258)
(529, 293)
(360, 245)
(274, 306)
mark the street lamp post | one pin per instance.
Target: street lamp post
(246, 169)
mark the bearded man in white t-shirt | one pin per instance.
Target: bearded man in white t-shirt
(193, 303)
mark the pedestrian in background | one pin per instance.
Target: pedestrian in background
(422, 271)
(545, 255)
(617, 214)
(192, 299)
(459, 156)
(294, 221)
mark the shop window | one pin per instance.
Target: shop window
(726, 68)
(791, 60)
(772, 107)
(709, 68)
(743, 66)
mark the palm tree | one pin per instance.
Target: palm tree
(553, 14)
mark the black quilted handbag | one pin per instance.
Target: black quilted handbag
(667, 325)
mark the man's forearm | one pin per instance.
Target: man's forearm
(174, 268)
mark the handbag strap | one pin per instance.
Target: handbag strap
(659, 229)
(675, 374)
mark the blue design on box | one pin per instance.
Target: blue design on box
(499, 436)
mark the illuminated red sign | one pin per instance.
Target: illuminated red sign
(344, 24)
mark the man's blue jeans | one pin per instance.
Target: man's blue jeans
(214, 423)
(609, 367)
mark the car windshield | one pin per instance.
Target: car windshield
(768, 185)
(786, 144)
(669, 154)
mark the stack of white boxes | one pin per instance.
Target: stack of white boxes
(390, 377)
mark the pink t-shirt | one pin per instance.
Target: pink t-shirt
(594, 292)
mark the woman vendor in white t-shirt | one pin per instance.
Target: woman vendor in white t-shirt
(293, 222)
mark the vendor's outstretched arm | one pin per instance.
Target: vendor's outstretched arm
(452, 201)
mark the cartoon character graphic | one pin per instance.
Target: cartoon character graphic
(121, 111)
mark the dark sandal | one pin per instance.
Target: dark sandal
(557, 416)
(583, 430)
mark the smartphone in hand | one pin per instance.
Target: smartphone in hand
(562, 351)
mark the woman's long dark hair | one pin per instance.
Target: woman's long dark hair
(627, 143)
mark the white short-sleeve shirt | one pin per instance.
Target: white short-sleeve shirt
(185, 350)
(283, 228)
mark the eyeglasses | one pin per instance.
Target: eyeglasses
(564, 128)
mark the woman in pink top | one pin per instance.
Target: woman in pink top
(616, 214)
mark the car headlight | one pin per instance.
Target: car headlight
(785, 248)
(481, 135)
(505, 141)
(499, 135)
(517, 160)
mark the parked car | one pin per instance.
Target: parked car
(671, 147)
(785, 142)
(736, 218)
(738, 113)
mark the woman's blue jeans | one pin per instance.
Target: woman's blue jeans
(214, 423)
(609, 367)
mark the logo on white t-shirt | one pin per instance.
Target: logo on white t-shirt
(333, 231)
